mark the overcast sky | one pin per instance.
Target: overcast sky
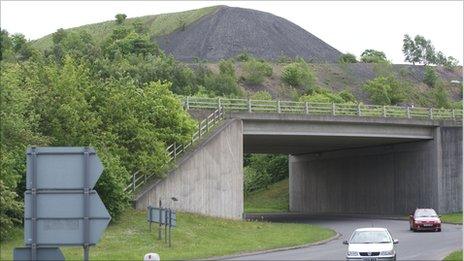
(347, 26)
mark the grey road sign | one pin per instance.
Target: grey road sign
(60, 218)
(157, 215)
(62, 168)
(60, 206)
(46, 253)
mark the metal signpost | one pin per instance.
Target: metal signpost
(61, 207)
(163, 216)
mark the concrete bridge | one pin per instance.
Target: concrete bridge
(337, 164)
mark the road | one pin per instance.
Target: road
(412, 245)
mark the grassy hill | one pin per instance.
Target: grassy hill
(157, 25)
(272, 199)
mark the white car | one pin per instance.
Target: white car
(371, 244)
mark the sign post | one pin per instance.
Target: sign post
(163, 216)
(61, 207)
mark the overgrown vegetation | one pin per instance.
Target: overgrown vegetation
(326, 96)
(373, 56)
(298, 74)
(348, 58)
(115, 97)
(262, 170)
(255, 71)
(386, 90)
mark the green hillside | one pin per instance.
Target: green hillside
(157, 25)
(272, 199)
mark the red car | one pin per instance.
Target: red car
(425, 219)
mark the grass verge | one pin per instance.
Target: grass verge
(195, 237)
(455, 218)
(456, 255)
(272, 199)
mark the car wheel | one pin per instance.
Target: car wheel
(439, 230)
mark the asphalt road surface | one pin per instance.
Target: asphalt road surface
(412, 245)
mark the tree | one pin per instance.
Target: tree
(386, 90)
(120, 18)
(421, 50)
(348, 58)
(373, 56)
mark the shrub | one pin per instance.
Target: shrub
(255, 180)
(222, 85)
(373, 56)
(386, 90)
(298, 74)
(326, 96)
(226, 67)
(440, 97)
(243, 57)
(255, 71)
(261, 95)
(430, 76)
(262, 170)
(348, 58)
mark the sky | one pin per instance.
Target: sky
(348, 26)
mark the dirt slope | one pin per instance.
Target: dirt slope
(229, 31)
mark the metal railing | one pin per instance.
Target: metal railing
(220, 105)
(330, 109)
(175, 150)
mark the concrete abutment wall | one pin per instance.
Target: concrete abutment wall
(209, 181)
(391, 179)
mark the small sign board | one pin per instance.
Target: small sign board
(156, 215)
(160, 215)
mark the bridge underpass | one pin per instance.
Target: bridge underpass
(336, 165)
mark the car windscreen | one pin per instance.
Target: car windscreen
(425, 213)
(370, 237)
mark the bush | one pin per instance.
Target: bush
(348, 58)
(243, 57)
(440, 97)
(326, 96)
(255, 71)
(222, 85)
(255, 180)
(373, 56)
(262, 170)
(430, 76)
(261, 95)
(226, 67)
(386, 90)
(298, 74)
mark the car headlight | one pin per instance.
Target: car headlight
(352, 253)
(387, 253)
